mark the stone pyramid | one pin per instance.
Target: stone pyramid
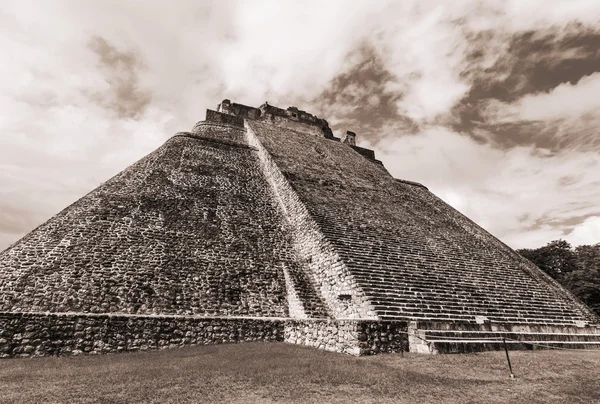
(260, 225)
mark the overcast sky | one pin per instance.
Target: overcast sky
(495, 106)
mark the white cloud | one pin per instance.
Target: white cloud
(521, 196)
(587, 232)
(57, 142)
(425, 47)
(562, 102)
(531, 14)
(290, 51)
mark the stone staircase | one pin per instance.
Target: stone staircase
(403, 282)
(451, 337)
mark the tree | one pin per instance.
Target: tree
(586, 286)
(556, 258)
(577, 270)
(588, 257)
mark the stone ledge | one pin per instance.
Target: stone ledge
(434, 337)
(214, 140)
(413, 183)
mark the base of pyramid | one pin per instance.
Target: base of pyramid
(63, 334)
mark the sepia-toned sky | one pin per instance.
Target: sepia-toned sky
(494, 105)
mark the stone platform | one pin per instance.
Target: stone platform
(59, 334)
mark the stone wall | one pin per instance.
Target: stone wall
(284, 122)
(39, 334)
(25, 334)
(368, 153)
(355, 337)
(217, 117)
(293, 114)
(240, 110)
(29, 334)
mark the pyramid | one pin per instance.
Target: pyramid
(261, 225)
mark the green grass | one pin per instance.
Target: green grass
(276, 372)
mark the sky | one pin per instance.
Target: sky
(493, 105)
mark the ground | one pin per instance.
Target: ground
(282, 373)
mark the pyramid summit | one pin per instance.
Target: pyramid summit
(260, 225)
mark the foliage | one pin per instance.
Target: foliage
(556, 258)
(585, 285)
(578, 269)
(588, 257)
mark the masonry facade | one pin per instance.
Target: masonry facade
(260, 224)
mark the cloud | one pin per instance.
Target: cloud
(423, 49)
(77, 111)
(288, 52)
(90, 88)
(564, 118)
(586, 233)
(562, 102)
(522, 195)
(358, 99)
(124, 94)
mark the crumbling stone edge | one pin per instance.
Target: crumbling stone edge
(67, 334)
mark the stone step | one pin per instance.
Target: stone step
(439, 303)
(459, 286)
(520, 341)
(510, 336)
(472, 312)
(391, 268)
(419, 316)
(445, 305)
(391, 296)
(469, 346)
(438, 296)
(395, 315)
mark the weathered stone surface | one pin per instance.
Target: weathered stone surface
(106, 334)
(193, 228)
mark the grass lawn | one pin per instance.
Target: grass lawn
(282, 373)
